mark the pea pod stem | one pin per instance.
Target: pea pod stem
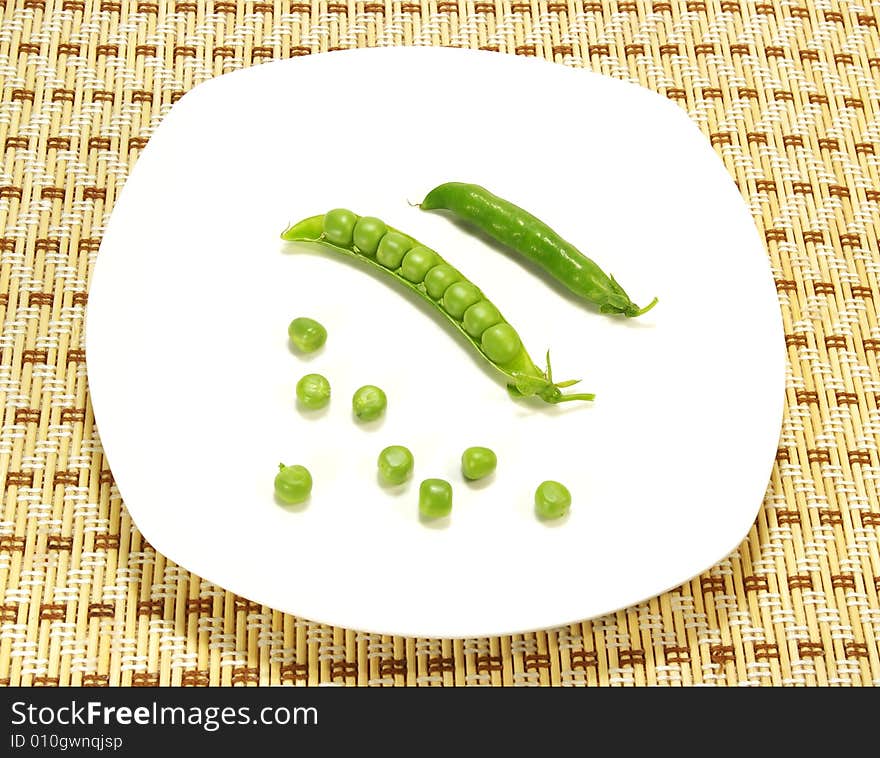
(527, 235)
(645, 309)
(494, 338)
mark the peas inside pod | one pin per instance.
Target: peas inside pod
(313, 391)
(423, 271)
(293, 484)
(368, 403)
(306, 334)
(478, 463)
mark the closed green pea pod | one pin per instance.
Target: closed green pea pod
(424, 273)
(439, 278)
(459, 297)
(529, 236)
(392, 249)
(417, 263)
(479, 317)
(339, 226)
(368, 231)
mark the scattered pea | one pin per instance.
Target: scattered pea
(478, 462)
(552, 500)
(435, 498)
(306, 334)
(313, 391)
(395, 464)
(293, 484)
(369, 402)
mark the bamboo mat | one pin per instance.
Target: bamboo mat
(786, 91)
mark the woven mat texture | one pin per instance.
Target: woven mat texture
(787, 93)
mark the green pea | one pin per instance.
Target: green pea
(368, 403)
(435, 498)
(478, 462)
(459, 297)
(479, 317)
(368, 231)
(339, 226)
(501, 343)
(417, 263)
(392, 248)
(438, 279)
(313, 391)
(293, 484)
(552, 500)
(395, 464)
(306, 334)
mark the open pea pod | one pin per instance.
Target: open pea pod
(423, 271)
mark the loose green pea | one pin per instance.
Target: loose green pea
(478, 462)
(439, 278)
(435, 498)
(552, 500)
(501, 343)
(392, 248)
(417, 263)
(479, 317)
(395, 464)
(369, 402)
(339, 226)
(306, 334)
(313, 391)
(368, 231)
(293, 484)
(459, 297)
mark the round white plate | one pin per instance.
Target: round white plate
(192, 377)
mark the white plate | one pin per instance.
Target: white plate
(192, 377)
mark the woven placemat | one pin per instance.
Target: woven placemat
(786, 91)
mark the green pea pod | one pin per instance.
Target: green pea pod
(529, 236)
(423, 271)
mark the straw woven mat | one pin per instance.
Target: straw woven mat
(787, 92)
